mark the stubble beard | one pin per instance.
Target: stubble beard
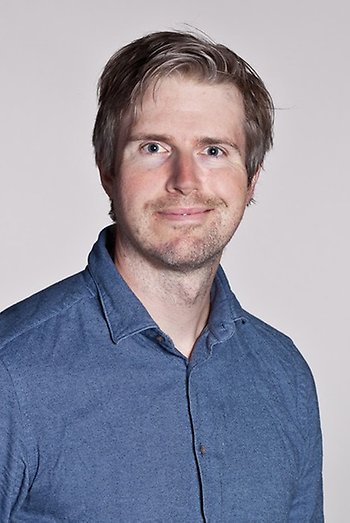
(185, 248)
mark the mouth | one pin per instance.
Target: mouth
(185, 214)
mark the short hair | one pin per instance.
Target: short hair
(146, 60)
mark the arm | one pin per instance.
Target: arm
(13, 469)
(307, 505)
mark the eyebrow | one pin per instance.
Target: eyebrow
(207, 140)
(217, 140)
(150, 137)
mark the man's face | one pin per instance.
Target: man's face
(181, 189)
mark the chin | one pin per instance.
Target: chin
(187, 259)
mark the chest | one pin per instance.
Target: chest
(131, 439)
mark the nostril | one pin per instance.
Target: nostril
(183, 177)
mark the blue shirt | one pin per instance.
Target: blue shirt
(102, 419)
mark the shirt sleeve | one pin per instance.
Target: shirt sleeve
(13, 469)
(307, 504)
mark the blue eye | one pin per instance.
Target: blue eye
(213, 151)
(152, 148)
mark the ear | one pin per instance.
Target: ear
(251, 188)
(107, 181)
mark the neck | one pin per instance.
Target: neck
(179, 302)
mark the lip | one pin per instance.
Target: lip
(185, 213)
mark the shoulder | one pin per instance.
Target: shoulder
(270, 342)
(34, 312)
(279, 364)
(275, 357)
(269, 347)
(266, 331)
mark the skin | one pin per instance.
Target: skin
(179, 196)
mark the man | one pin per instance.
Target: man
(139, 390)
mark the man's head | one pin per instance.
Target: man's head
(180, 136)
(144, 62)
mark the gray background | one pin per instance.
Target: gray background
(289, 261)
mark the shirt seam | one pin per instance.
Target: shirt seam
(25, 422)
(44, 320)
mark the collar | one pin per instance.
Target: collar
(225, 309)
(123, 311)
(125, 314)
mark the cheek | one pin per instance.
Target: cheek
(137, 180)
(131, 194)
(231, 187)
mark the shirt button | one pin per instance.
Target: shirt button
(160, 339)
(202, 450)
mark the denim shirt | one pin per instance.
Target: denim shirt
(102, 419)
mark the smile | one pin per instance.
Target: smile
(185, 214)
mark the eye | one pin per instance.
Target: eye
(214, 151)
(153, 148)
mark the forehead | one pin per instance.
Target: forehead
(182, 99)
(176, 82)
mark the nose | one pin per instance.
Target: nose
(184, 175)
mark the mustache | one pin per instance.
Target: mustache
(182, 201)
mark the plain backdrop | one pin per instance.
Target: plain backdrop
(289, 261)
